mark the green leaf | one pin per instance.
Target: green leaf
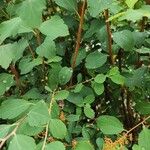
(39, 115)
(11, 52)
(54, 59)
(70, 5)
(6, 55)
(78, 88)
(61, 95)
(118, 79)
(95, 60)
(124, 39)
(131, 15)
(113, 71)
(57, 128)
(56, 145)
(53, 76)
(143, 139)
(6, 81)
(143, 50)
(75, 98)
(19, 49)
(30, 12)
(11, 28)
(65, 75)
(4, 130)
(22, 142)
(100, 143)
(27, 64)
(84, 144)
(98, 88)
(98, 6)
(47, 49)
(131, 3)
(26, 129)
(80, 57)
(139, 38)
(100, 78)
(143, 107)
(54, 28)
(136, 78)
(12, 108)
(145, 11)
(137, 147)
(89, 99)
(33, 93)
(73, 118)
(109, 124)
(88, 111)
(55, 111)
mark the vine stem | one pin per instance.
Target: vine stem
(45, 138)
(78, 37)
(106, 14)
(51, 102)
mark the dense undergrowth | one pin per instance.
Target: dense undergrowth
(74, 75)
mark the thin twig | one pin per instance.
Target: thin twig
(8, 136)
(31, 51)
(86, 81)
(137, 125)
(12, 133)
(106, 14)
(6, 15)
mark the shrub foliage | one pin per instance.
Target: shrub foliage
(74, 74)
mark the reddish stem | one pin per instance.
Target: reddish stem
(79, 35)
(16, 74)
(78, 38)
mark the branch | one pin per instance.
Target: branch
(106, 14)
(79, 35)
